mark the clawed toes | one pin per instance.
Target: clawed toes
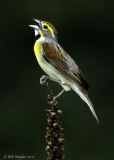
(54, 102)
(43, 80)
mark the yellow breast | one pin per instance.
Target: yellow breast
(38, 50)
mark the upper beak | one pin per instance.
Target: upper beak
(38, 21)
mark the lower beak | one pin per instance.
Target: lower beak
(34, 27)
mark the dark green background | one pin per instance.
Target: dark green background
(86, 32)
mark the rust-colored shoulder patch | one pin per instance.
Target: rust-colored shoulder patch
(51, 51)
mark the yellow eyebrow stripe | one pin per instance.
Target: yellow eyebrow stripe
(51, 30)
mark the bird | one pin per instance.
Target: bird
(57, 63)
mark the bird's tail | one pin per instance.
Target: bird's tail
(86, 99)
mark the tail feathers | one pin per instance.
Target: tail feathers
(86, 99)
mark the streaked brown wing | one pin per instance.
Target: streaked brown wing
(56, 56)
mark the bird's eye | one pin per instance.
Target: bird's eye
(45, 27)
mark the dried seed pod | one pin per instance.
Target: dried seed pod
(59, 111)
(53, 114)
(55, 124)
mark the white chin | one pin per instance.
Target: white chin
(36, 32)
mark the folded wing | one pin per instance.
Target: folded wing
(56, 56)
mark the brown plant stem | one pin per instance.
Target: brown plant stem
(54, 136)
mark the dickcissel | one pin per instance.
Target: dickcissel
(57, 64)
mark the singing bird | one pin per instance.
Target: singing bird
(58, 64)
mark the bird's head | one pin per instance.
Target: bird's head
(44, 29)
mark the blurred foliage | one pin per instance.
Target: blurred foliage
(85, 31)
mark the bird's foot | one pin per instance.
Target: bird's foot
(43, 80)
(52, 100)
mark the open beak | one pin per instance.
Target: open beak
(36, 27)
